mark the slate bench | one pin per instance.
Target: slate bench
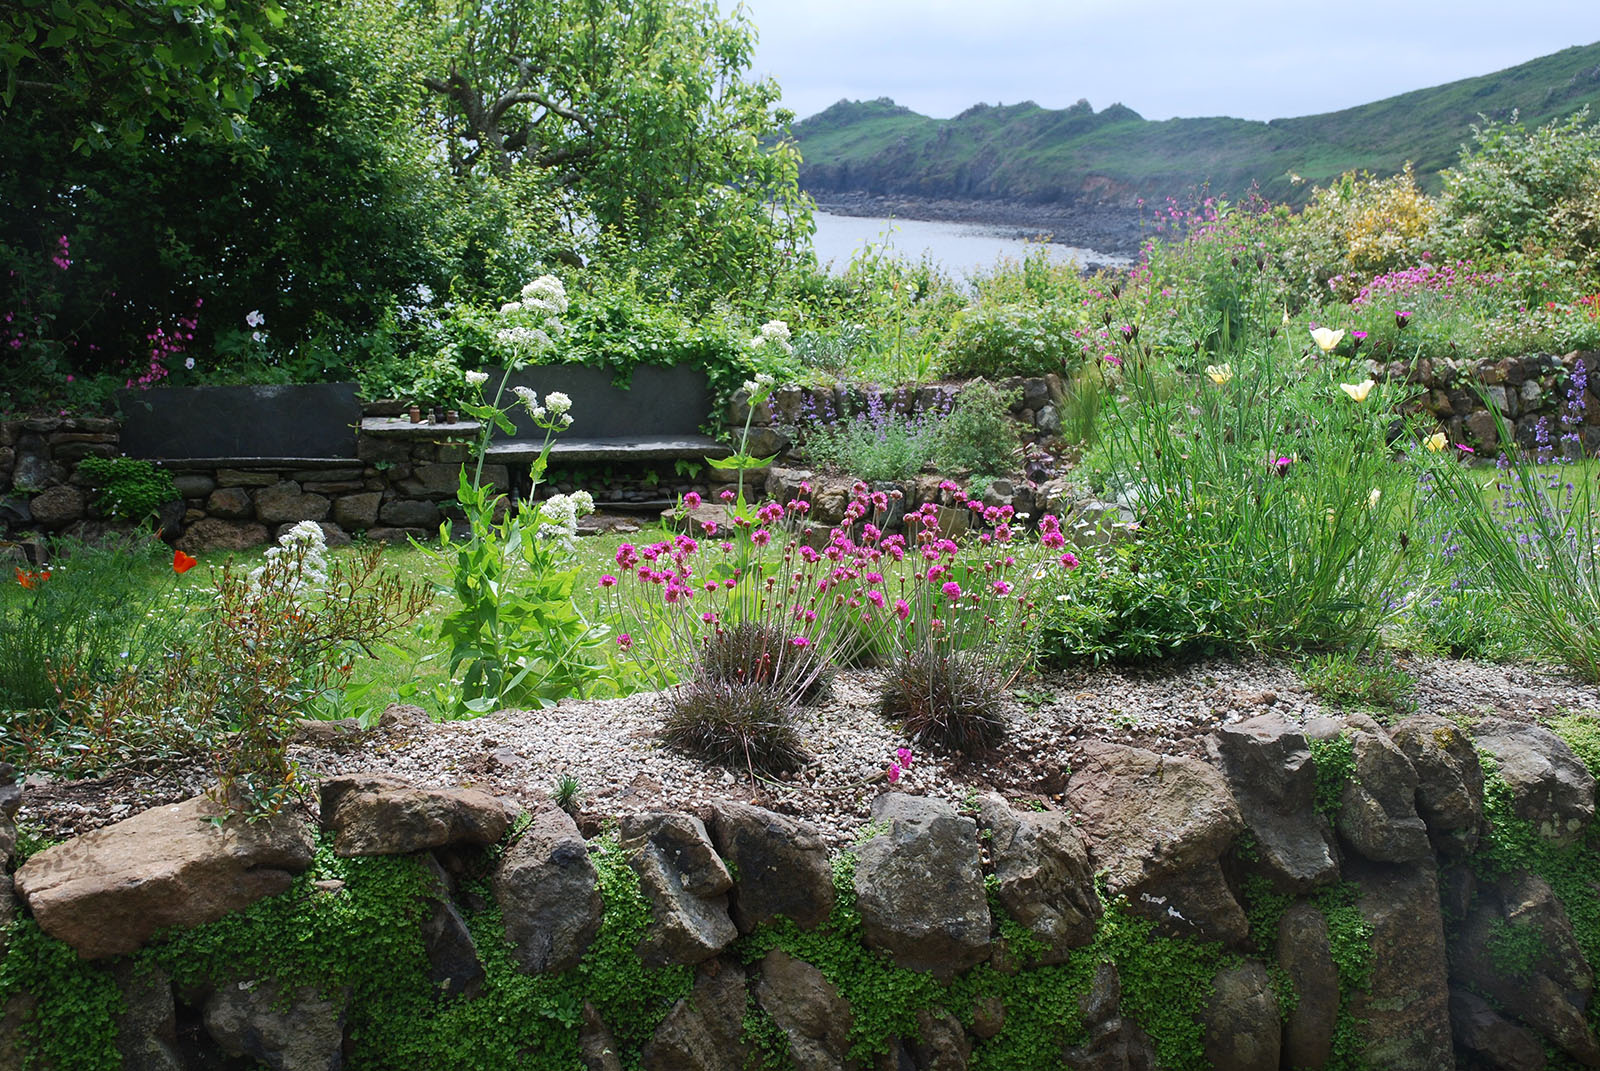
(657, 418)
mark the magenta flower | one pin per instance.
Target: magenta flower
(903, 754)
(902, 609)
(1070, 560)
(951, 589)
(692, 500)
(624, 641)
(894, 773)
(608, 581)
(800, 641)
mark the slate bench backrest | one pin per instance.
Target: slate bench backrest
(659, 401)
(312, 420)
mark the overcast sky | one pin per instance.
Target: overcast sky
(1248, 58)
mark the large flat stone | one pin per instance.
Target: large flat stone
(380, 814)
(109, 891)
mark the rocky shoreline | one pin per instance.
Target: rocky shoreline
(1111, 229)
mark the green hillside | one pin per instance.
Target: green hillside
(1028, 153)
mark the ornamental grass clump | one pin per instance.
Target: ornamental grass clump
(746, 723)
(957, 615)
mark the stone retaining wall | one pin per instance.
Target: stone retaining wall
(1271, 874)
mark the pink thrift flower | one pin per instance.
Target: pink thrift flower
(1070, 560)
(951, 589)
(902, 609)
(800, 641)
(727, 496)
(608, 581)
(624, 641)
(894, 773)
(903, 754)
(692, 500)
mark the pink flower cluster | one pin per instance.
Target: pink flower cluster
(1445, 279)
(166, 345)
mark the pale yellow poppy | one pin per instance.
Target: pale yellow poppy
(1219, 373)
(1326, 339)
(1373, 496)
(1358, 391)
(1436, 441)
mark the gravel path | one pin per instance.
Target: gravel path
(610, 747)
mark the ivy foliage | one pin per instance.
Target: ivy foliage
(1334, 760)
(131, 489)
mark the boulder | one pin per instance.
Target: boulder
(381, 814)
(231, 503)
(941, 1043)
(409, 513)
(1377, 811)
(147, 1025)
(686, 885)
(1269, 770)
(703, 1031)
(58, 506)
(1305, 956)
(1449, 780)
(10, 800)
(597, 1047)
(453, 966)
(1550, 786)
(108, 891)
(548, 892)
(1403, 1016)
(1492, 1040)
(781, 866)
(809, 1010)
(1042, 875)
(211, 534)
(356, 513)
(919, 887)
(297, 1031)
(285, 503)
(1517, 947)
(1242, 1029)
(1115, 1043)
(1157, 825)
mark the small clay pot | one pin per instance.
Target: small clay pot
(415, 412)
(451, 416)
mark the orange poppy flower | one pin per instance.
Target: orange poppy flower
(182, 563)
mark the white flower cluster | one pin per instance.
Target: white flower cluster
(558, 516)
(554, 411)
(773, 333)
(476, 379)
(304, 544)
(523, 338)
(758, 385)
(545, 294)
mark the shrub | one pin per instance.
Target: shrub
(1013, 340)
(270, 644)
(979, 435)
(737, 723)
(876, 445)
(1359, 227)
(1345, 680)
(131, 489)
(1505, 192)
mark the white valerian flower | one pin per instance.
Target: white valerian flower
(545, 294)
(528, 398)
(773, 333)
(1326, 339)
(759, 385)
(476, 379)
(557, 402)
(296, 563)
(510, 307)
(558, 516)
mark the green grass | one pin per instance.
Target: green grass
(1027, 152)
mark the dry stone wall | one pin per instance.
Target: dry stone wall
(1468, 958)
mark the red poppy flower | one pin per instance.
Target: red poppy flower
(182, 563)
(32, 580)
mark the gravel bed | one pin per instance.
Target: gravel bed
(610, 746)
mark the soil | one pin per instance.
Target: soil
(611, 748)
